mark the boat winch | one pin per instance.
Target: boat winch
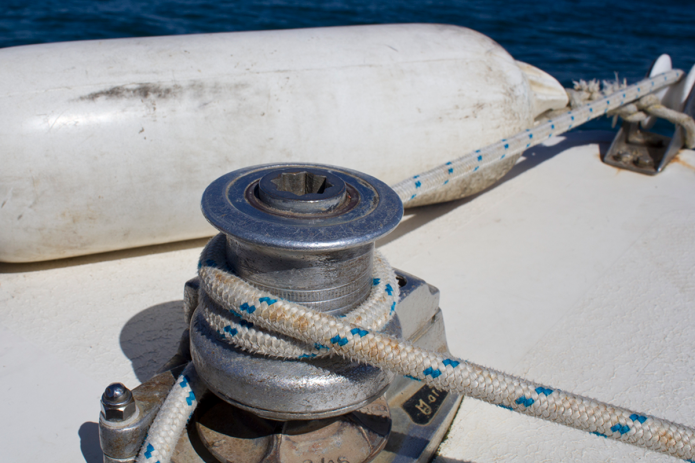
(303, 233)
(295, 319)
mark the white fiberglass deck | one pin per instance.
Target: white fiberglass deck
(569, 272)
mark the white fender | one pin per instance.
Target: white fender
(109, 144)
(546, 92)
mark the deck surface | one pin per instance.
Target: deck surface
(569, 272)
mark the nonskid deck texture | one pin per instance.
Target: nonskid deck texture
(569, 273)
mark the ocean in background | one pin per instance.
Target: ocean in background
(571, 40)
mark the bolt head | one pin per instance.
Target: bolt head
(623, 156)
(644, 161)
(117, 403)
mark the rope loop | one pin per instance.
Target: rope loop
(441, 370)
(259, 322)
(229, 323)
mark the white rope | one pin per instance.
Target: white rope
(283, 329)
(650, 104)
(586, 91)
(442, 371)
(231, 325)
(372, 314)
(436, 182)
(171, 419)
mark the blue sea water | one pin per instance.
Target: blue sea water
(569, 39)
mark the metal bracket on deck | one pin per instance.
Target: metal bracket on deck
(642, 151)
(638, 150)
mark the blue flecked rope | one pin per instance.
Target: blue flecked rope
(230, 324)
(442, 370)
(436, 182)
(170, 421)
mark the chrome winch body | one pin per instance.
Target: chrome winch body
(306, 234)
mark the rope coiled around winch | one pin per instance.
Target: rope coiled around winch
(233, 306)
(373, 314)
(442, 371)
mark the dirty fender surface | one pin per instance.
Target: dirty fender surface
(109, 144)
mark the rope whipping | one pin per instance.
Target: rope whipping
(257, 321)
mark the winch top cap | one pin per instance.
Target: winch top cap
(302, 206)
